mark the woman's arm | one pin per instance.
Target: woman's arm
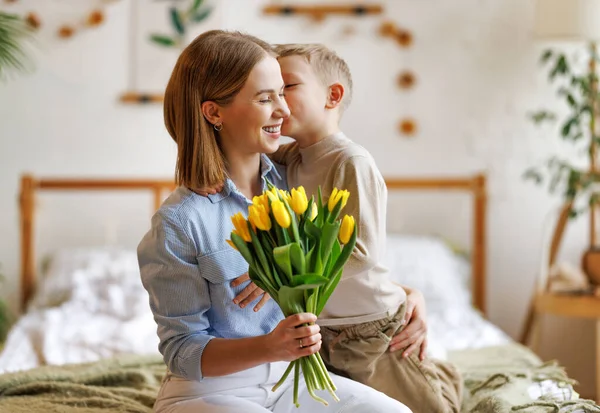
(228, 356)
(179, 299)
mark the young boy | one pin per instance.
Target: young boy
(367, 309)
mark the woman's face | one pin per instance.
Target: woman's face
(252, 121)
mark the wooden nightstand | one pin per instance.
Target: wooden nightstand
(584, 306)
(565, 305)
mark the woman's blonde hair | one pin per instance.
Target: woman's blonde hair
(214, 67)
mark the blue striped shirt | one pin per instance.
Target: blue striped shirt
(187, 268)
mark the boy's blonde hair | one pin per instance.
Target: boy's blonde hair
(213, 67)
(328, 66)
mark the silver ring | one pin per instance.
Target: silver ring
(301, 346)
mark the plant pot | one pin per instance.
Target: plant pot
(591, 265)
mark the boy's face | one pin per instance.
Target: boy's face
(306, 97)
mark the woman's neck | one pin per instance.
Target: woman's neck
(244, 171)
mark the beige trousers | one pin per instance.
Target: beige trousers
(360, 352)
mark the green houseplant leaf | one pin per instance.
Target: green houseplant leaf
(163, 40)
(14, 32)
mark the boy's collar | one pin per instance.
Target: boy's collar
(323, 147)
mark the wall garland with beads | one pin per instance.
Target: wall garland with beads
(406, 79)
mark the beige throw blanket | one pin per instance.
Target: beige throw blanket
(499, 379)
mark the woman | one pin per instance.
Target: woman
(224, 107)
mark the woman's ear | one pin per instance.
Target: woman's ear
(335, 96)
(211, 112)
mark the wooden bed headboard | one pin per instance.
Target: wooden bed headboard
(473, 185)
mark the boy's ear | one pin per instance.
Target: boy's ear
(211, 112)
(335, 96)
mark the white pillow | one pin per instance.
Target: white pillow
(429, 265)
(72, 270)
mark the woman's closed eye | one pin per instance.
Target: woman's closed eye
(291, 85)
(269, 99)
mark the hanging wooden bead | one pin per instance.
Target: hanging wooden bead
(406, 80)
(95, 18)
(403, 37)
(66, 31)
(408, 127)
(33, 20)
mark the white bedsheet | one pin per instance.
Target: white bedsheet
(91, 305)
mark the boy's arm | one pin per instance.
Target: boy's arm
(285, 153)
(367, 204)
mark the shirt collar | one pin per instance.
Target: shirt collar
(266, 167)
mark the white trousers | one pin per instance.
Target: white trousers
(249, 391)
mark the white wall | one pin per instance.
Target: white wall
(477, 78)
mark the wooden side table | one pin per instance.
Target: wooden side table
(565, 305)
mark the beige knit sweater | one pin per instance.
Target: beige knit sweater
(365, 292)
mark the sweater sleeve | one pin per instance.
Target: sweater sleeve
(367, 203)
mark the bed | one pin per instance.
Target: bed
(86, 341)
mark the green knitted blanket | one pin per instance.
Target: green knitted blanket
(496, 380)
(125, 384)
(499, 380)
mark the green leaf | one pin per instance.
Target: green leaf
(322, 211)
(533, 174)
(262, 258)
(326, 291)
(163, 40)
(198, 17)
(281, 255)
(195, 6)
(176, 21)
(291, 300)
(242, 247)
(312, 230)
(336, 212)
(329, 236)
(307, 281)
(546, 56)
(566, 128)
(345, 254)
(311, 302)
(335, 253)
(560, 68)
(541, 116)
(297, 258)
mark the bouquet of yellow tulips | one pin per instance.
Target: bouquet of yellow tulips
(296, 249)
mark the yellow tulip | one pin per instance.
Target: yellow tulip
(280, 213)
(272, 194)
(262, 200)
(231, 244)
(314, 212)
(285, 195)
(259, 218)
(346, 229)
(337, 196)
(298, 200)
(241, 227)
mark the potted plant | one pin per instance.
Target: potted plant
(576, 84)
(577, 88)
